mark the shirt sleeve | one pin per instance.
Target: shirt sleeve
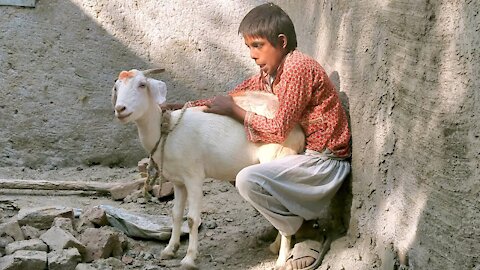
(294, 93)
(199, 102)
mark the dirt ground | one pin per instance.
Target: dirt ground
(232, 236)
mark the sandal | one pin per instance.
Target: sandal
(309, 248)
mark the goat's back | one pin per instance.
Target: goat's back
(216, 146)
(208, 145)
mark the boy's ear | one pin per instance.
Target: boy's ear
(282, 41)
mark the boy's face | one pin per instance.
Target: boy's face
(266, 56)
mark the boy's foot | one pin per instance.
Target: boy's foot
(307, 255)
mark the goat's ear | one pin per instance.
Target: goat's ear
(158, 90)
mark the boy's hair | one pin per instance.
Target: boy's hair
(268, 21)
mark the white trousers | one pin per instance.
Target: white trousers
(290, 190)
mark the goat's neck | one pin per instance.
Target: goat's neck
(149, 127)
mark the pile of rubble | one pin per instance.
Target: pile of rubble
(52, 238)
(64, 238)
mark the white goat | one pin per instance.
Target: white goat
(202, 145)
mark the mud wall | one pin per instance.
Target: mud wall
(409, 70)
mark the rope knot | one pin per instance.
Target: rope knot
(165, 125)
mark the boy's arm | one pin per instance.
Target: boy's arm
(199, 102)
(293, 99)
(252, 83)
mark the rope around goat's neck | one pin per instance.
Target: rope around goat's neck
(164, 131)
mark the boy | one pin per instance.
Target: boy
(294, 189)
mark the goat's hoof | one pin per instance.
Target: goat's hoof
(188, 264)
(166, 255)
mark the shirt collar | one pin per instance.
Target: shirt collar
(266, 77)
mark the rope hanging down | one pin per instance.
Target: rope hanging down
(153, 171)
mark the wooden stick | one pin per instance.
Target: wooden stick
(108, 188)
(54, 185)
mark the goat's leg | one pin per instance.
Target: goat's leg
(195, 194)
(180, 193)
(285, 245)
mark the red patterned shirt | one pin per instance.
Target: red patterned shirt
(306, 96)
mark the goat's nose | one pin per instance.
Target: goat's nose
(120, 108)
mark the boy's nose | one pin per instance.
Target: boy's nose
(253, 55)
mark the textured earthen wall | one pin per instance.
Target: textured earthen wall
(409, 70)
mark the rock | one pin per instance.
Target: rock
(32, 244)
(109, 263)
(165, 190)
(141, 201)
(127, 259)
(24, 259)
(85, 266)
(64, 223)
(42, 217)
(142, 166)
(95, 215)
(8, 209)
(133, 197)
(120, 192)
(4, 241)
(211, 225)
(30, 232)
(65, 259)
(58, 239)
(12, 228)
(100, 243)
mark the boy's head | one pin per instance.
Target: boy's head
(269, 21)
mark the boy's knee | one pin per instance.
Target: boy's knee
(241, 182)
(244, 182)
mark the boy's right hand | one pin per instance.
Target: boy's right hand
(224, 105)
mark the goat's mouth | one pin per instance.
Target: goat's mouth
(122, 117)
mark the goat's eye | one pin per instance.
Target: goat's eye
(142, 85)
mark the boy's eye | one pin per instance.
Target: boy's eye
(257, 44)
(254, 44)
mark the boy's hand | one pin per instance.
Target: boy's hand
(224, 105)
(221, 105)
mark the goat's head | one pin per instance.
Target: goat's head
(133, 93)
